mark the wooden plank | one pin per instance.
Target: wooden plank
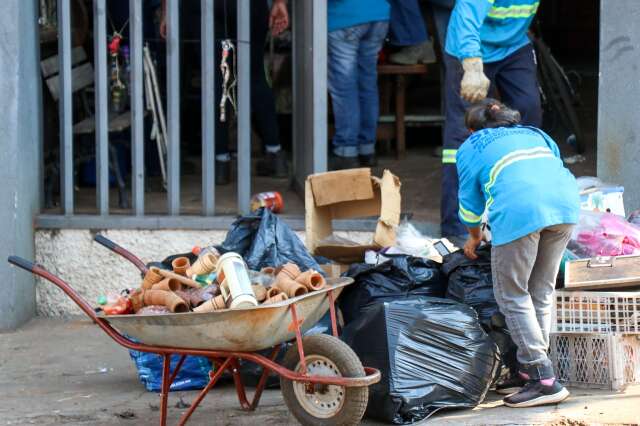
(624, 273)
(388, 69)
(81, 77)
(51, 65)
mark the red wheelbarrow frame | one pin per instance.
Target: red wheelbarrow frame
(221, 360)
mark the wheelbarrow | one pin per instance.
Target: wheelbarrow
(321, 378)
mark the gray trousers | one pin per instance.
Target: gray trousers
(524, 277)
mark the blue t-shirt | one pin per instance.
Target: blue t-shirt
(517, 174)
(490, 29)
(347, 13)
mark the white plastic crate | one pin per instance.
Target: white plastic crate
(596, 312)
(599, 361)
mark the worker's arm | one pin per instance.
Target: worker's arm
(471, 201)
(279, 17)
(465, 23)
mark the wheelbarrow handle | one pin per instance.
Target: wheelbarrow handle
(114, 247)
(25, 264)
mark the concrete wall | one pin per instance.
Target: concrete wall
(92, 270)
(618, 94)
(20, 150)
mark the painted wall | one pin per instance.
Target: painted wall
(92, 270)
(20, 150)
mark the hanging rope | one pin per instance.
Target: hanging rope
(229, 80)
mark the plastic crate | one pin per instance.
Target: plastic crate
(597, 361)
(596, 312)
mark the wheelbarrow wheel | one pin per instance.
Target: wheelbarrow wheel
(315, 404)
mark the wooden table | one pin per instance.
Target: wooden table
(399, 72)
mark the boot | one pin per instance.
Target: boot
(342, 163)
(223, 172)
(368, 160)
(273, 165)
(422, 53)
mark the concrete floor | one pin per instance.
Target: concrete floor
(55, 372)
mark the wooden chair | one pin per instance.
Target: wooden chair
(82, 77)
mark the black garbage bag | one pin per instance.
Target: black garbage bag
(432, 354)
(471, 283)
(400, 277)
(263, 239)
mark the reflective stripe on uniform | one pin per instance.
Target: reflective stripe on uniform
(513, 157)
(468, 216)
(514, 11)
(449, 156)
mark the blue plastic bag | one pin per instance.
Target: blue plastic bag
(194, 373)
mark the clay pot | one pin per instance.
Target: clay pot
(168, 284)
(184, 280)
(204, 265)
(269, 270)
(211, 305)
(260, 292)
(180, 265)
(312, 280)
(150, 278)
(289, 270)
(165, 298)
(290, 287)
(280, 297)
(273, 291)
(136, 298)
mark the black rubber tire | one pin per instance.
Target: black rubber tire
(349, 365)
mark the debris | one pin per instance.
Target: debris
(578, 158)
(181, 404)
(126, 414)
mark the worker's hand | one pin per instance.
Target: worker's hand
(279, 17)
(163, 27)
(471, 245)
(475, 85)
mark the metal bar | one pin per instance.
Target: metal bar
(262, 383)
(296, 324)
(319, 54)
(173, 106)
(65, 106)
(177, 369)
(116, 248)
(213, 380)
(244, 106)
(208, 109)
(332, 313)
(240, 389)
(164, 392)
(102, 106)
(137, 107)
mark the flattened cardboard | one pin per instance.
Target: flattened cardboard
(624, 273)
(384, 202)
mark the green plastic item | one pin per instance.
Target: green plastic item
(102, 300)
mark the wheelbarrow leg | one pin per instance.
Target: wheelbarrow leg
(262, 383)
(332, 312)
(214, 378)
(295, 324)
(237, 380)
(166, 383)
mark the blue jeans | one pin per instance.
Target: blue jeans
(406, 26)
(353, 85)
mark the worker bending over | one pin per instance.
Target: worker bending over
(516, 174)
(486, 48)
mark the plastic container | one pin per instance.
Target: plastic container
(271, 200)
(235, 284)
(596, 312)
(596, 361)
(116, 305)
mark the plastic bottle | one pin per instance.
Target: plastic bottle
(271, 200)
(114, 304)
(200, 251)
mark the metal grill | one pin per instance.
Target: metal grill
(600, 361)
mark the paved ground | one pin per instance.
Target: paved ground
(56, 372)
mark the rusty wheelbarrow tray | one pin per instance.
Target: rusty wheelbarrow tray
(314, 386)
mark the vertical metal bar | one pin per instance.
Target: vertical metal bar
(208, 108)
(319, 53)
(137, 107)
(102, 105)
(173, 106)
(244, 106)
(65, 106)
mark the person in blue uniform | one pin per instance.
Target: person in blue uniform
(486, 48)
(516, 175)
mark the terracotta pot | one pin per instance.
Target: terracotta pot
(269, 270)
(289, 270)
(204, 265)
(136, 298)
(184, 280)
(280, 297)
(273, 291)
(150, 278)
(312, 280)
(165, 298)
(180, 265)
(168, 284)
(260, 292)
(211, 305)
(291, 287)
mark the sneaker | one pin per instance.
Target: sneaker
(273, 165)
(510, 385)
(342, 163)
(534, 393)
(223, 172)
(368, 160)
(411, 55)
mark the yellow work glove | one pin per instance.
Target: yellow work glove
(475, 85)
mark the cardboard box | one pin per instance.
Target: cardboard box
(334, 270)
(348, 194)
